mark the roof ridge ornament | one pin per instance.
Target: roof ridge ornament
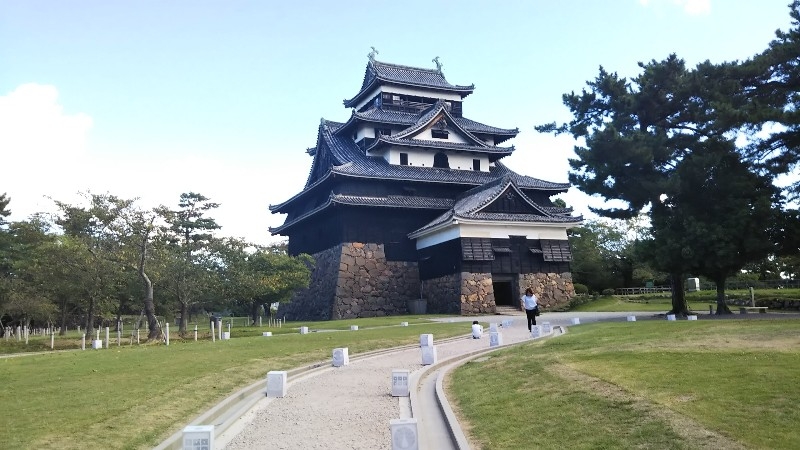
(372, 54)
(438, 65)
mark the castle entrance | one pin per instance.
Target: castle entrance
(503, 292)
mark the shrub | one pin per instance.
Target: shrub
(581, 289)
(608, 292)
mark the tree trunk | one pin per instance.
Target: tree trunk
(184, 316)
(254, 306)
(154, 329)
(90, 318)
(722, 305)
(63, 317)
(679, 305)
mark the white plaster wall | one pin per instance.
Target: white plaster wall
(453, 136)
(494, 231)
(420, 158)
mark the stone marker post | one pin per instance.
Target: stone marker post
(276, 383)
(400, 382)
(404, 434)
(198, 437)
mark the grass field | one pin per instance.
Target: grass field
(651, 384)
(698, 301)
(136, 396)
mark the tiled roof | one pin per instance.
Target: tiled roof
(396, 201)
(403, 118)
(349, 160)
(391, 201)
(470, 204)
(379, 72)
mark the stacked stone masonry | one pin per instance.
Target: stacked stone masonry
(355, 280)
(553, 290)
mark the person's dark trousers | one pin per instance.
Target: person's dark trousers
(531, 313)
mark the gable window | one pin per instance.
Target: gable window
(440, 161)
(383, 132)
(403, 159)
(439, 134)
(476, 164)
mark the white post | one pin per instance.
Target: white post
(83, 341)
(119, 337)
(167, 333)
(27, 334)
(137, 336)
(195, 333)
(213, 332)
(98, 334)
(19, 333)
(259, 321)
(219, 326)
(52, 340)
(229, 328)
(106, 337)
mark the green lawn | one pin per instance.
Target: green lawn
(650, 384)
(136, 396)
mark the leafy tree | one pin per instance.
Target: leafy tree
(258, 276)
(647, 144)
(190, 271)
(770, 92)
(116, 235)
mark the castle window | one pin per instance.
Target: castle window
(439, 134)
(440, 161)
(383, 132)
(476, 164)
(403, 159)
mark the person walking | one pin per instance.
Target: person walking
(531, 306)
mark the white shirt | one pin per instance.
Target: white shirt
(529, 302)
(477, 330)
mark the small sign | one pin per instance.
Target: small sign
(492, 327)
(266, 333)
(303, 330)
(671, 317)
(276, 383)
(425, 340)
(400, 382)
(631, 318)
(97, 344)
(495, 339)
(404, 434)
(691, 317)
(226, 335)
(428, 355)
(353, 327)
(403, 324)
(547, 328)
(198, 437)
(340, 357)
(576, 321)
(536, 332)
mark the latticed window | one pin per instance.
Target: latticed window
(477, 249)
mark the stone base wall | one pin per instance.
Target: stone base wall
(368, 285)
(354, 280)
(442, 294)
(552, 289)
(477, 294)
(315, 302)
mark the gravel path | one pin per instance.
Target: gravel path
(345, 407)
(350, 407)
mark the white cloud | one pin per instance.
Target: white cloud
(695, 7)
(690, 7)
(42, 148)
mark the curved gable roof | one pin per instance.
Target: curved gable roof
(378, 73)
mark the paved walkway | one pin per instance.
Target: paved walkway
(350, 407)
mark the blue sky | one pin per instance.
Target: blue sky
(151, 99)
